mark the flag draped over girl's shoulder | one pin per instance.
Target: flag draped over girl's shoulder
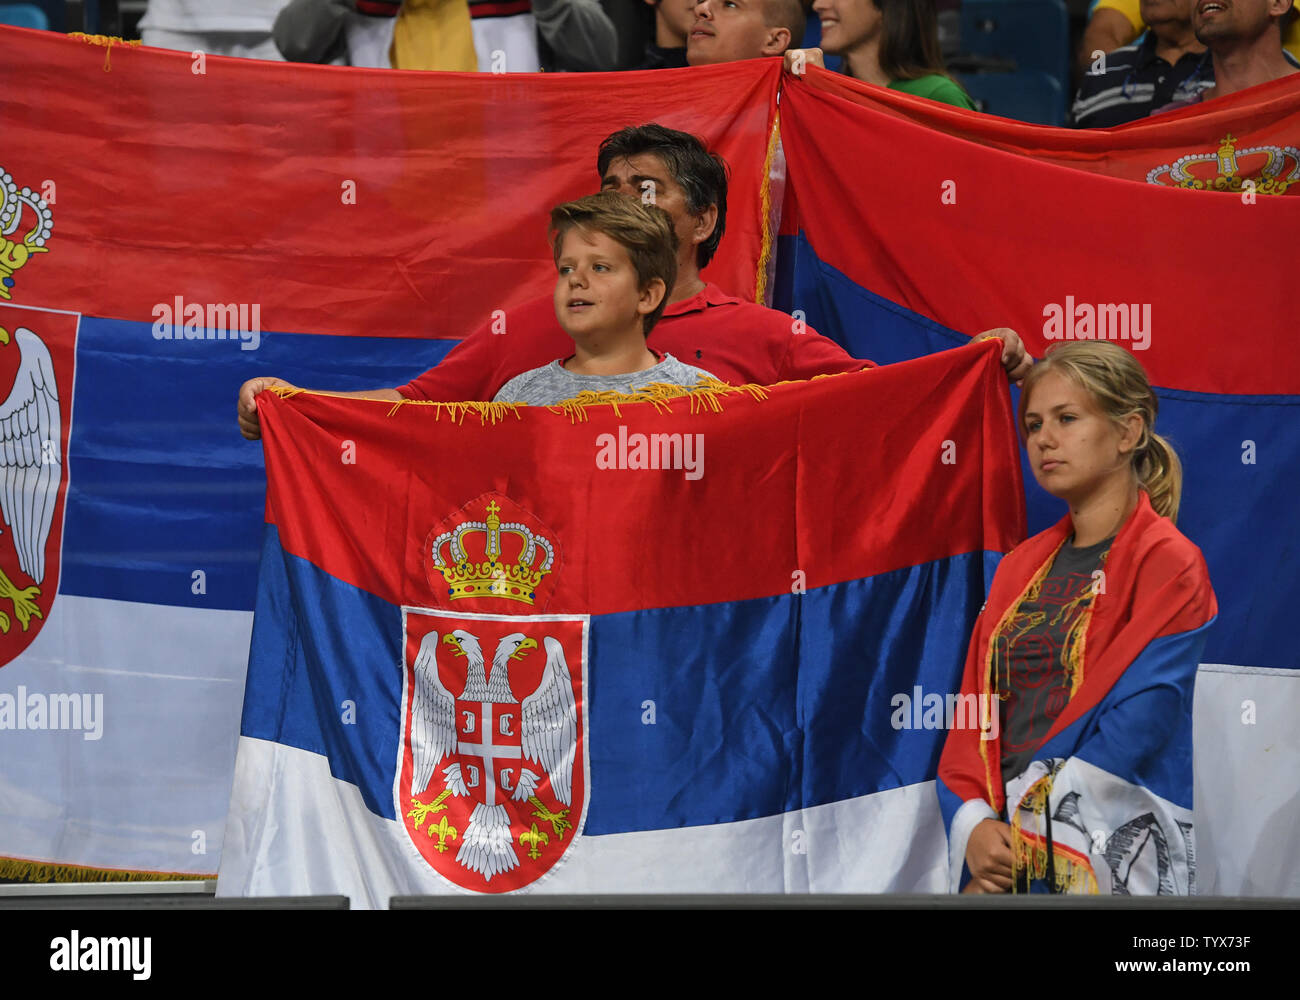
(1106, 804)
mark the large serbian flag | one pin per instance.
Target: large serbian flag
(170, 226)
(701, 644)
(920, 225)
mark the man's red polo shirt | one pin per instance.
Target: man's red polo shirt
(737, 341)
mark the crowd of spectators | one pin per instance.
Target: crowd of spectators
(1135, 57)
(1189, 51)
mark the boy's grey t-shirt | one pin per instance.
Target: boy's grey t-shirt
(552, 383)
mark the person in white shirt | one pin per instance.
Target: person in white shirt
(215, 27)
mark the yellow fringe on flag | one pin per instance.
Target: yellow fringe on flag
(1071, 876)
(43, 871)
(1076, 637)
(486, 412)
(704, 395)
(1029, 853)
(107, 41)
(765, 251)
(992, 688)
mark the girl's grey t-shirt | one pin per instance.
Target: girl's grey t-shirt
(552, 383)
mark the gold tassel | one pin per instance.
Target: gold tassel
(992, 686)
(488, 413)
(703, 394)
(706, 394)
(1071, 875)
(42, 871)
(1029, 853)
(1076, 639)
(765, 199)
(107, 41)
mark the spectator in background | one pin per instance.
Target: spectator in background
(727, 30)
(1245, 41)
(571, 35)
(891, 43)
(672, 21)
(1115, 23)
(1166, 64)
(422, 34)
(216, 27)
(522, 36)
(352, 33)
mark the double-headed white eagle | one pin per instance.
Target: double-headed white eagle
(30, 467)
(549, 734)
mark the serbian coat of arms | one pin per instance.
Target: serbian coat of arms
(491, 781)
(37, 351)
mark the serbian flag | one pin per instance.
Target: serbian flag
(1245, 144)
(170, 226)
(921, 225)
(675, 645)
(1105, 804)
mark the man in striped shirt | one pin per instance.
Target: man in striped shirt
(1166, 64)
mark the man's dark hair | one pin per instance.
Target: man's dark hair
(700, 174)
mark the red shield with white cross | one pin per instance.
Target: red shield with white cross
(492, 778)
(37, 352)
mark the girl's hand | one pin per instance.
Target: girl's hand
(988, 856)
(1016, 361)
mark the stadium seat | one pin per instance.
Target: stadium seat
(24, 15)
(94, 18)
(1034, 34)
(1026, 95)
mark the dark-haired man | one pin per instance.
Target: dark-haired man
(1166, 64)
(1116, 23)
(737, 341)
(728, 30)
(1245, 38)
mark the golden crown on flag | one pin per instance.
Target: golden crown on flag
(486, 572)
(1272, 169)
(15, 253)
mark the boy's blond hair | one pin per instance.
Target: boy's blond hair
(644, 231)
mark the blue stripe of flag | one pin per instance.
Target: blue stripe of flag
(161, 482)
(1240, 454)
(698, 715)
